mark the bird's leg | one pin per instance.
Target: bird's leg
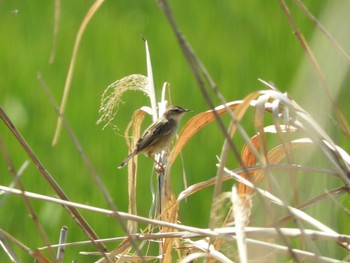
(158, 166)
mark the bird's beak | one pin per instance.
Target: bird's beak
(187, 110)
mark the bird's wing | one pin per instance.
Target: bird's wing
(155, 132)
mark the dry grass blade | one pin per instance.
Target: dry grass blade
(93, 9)
(196, 123)
(169, 213)
(137, 119)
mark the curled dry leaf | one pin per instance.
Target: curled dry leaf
(274, 156)
(200, 120)
(195, 124)
(248, 159)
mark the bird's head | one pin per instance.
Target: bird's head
(175, 112)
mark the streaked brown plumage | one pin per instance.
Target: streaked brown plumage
(159, 135)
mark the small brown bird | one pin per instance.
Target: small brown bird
(159, 135)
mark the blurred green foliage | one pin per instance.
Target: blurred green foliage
(238, 41)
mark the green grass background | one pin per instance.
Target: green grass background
(238, 41)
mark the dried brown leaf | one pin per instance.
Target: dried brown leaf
(278, 153)
(169, 213)
(274, 156)
(248, 159)
(198, 122)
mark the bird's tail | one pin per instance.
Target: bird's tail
(126, 160)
